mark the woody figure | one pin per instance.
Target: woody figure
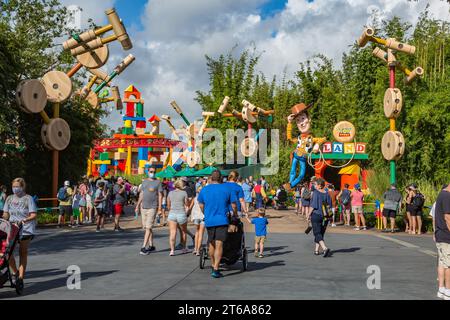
(306, 143)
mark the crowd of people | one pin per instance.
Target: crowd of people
(211, 203)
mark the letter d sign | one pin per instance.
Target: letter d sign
(74, 280)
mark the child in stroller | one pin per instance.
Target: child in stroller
(9, 235)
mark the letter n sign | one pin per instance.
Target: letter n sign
(338, 147)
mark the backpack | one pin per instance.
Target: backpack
(306, 194)
(62, 194)
(418, 200)
(345, 198)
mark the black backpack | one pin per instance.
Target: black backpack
(418, 200)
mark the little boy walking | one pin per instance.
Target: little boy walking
(260, 222)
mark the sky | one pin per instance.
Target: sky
(172, 37)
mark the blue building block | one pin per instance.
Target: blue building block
(134, 118)
(143, 154)
(338, 147)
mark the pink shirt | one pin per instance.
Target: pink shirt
(357, 198)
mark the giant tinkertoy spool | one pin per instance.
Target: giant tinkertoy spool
(91, 51)
(393, 143)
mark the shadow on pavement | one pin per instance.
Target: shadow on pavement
(348, 250)
(88, 240)
(42, 286)
(252, 266)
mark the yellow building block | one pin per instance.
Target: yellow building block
(120, 150)
(120, 155)
(142, 163)
(349, 148)
(140, 131)
(101, 162)
(128, 124)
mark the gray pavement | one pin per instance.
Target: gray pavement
(111, 268)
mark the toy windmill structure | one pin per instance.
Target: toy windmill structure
(91, 51)
(191, 155)
(248, 114)
(393, 143)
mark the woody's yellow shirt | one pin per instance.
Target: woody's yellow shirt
(305, 142)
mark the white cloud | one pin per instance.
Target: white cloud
(176, 35)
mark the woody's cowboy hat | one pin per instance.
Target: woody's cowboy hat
(300, 108)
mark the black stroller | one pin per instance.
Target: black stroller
(9, 235)
(281, 200)
(233, 248)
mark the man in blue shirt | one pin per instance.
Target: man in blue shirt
(237, 189)
(214, 201)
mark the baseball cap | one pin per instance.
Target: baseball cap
(67, 183)
(185, 179)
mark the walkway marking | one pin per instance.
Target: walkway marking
(403, 243)
(408, 245)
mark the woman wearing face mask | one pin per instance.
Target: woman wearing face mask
(21, 209)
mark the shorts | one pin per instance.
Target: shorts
(415, 212)
(443, 254)
(260, 239)
(199, 222)
(26, 237)
(218, 233)
(389, 213)
(118, 209)
(357, 209)
(65, 210)
(76, 212)
(164, 206)
(346, 206)
(180, 218)
(100, 212)
(409, 207)
(83, 202)
(298, 200)
(148, 218)
(305, 202)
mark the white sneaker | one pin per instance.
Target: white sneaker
(333, 224)
(440, 295)
(356, 228)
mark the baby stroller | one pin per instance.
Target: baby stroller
(9, 235)
(233, 248)
(281, 200)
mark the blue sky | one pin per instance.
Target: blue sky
(172, 37)
(131, 13)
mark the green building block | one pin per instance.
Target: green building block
(104, 156)
(127, 131)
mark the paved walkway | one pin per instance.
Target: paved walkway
(111, 267)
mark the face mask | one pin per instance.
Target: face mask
(151, 175)
(17, 190)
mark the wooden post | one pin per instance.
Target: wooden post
(393, 178)
(249, 128)
(129, 158)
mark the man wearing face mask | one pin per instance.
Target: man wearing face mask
(306, 143)
(150, 201)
